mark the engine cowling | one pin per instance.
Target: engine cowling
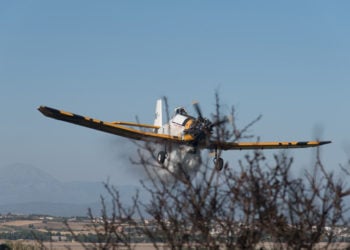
(197, 130)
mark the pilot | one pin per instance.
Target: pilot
(180, 111)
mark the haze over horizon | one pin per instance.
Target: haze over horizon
(288, 61)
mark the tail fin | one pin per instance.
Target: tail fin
(158, 120)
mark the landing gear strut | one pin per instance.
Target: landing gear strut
(218, 161)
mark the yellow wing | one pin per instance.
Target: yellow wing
(266, 145)
(116, 128)
(119, 128)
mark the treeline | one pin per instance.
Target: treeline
(47, 236)
(26, 235)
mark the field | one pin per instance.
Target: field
(74, 245)
(59, 234)
(26, 230)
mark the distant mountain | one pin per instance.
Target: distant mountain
(27, 189)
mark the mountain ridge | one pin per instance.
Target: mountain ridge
(27, 189)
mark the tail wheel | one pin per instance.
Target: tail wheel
(219, 163)
(162, 155)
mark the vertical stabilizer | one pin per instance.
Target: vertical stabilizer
(158, 120)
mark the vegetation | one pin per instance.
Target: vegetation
(236, 208)
(11, 245)
(25, 235)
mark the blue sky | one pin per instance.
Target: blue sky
(288, 61)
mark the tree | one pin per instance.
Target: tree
(231, 209)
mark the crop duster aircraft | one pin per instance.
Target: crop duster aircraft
(182, 129)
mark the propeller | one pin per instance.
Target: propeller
(202, 127)
(219, 122)
(198, 110)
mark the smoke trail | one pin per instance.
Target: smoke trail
(122, 151)
(181, 160)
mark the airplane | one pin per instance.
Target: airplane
(182, 129)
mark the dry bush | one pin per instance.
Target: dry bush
(261, 201)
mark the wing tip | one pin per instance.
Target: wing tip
(324, 142)
(42, 109)
(47, 111)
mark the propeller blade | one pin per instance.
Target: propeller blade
(219, 122)
(198, 110)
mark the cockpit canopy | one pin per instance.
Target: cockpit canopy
(180, 111)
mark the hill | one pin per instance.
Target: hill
(29, 190)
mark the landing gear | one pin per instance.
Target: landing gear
(162, 155)
(218, 161)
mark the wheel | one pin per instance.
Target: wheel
(161, 157)
(219, 163)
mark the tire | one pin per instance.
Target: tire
(161, 157)
(219, 164)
